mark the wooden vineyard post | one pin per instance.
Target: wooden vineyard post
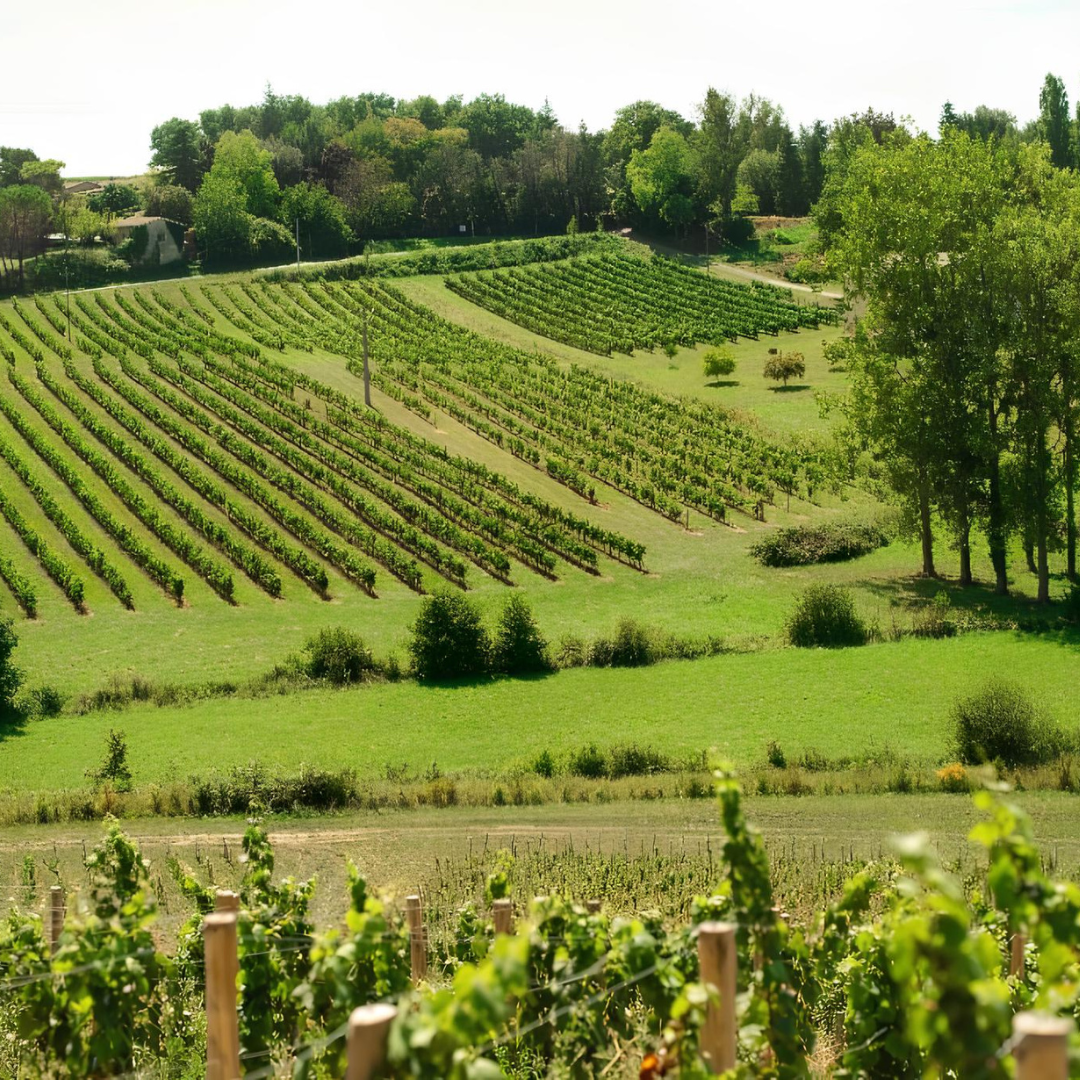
(1041, 1046)
(222, 968)
(414, 913)
(502, 913)
(56, 915)
(1016, 953)
(226, 901)
(369, 1027)
(716, 957)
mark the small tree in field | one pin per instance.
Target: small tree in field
(718, 363)
(519, 648)
(784, 366)
(449, 640)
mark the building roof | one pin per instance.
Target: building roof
(135, 219)
(83, 185)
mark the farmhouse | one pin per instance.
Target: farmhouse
(158, 245)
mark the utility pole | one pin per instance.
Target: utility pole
(298, 243)
(367, 370)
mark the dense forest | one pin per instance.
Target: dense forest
(256, 180)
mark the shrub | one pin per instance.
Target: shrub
(41, 702)
(635, 760)
(825, 617)
(519, 648)
(774, 754)
(632, 646)
(339, 656)
(954, 778)
(10, 675)
(804, 545)
(114, 768)
(589, 762)
(932, 620)
(1000, 722)
(571, 651)
(544, 765)
(449, 640)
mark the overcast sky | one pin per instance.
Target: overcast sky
(86, 82)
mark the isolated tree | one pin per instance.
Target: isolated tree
(785, 366)
(449, 640)
(1054, 119)
(10, 675)
(178, 152)
(519, 648)
(718, 363)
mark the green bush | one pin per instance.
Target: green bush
(339, 656)
(10, 675)
(40, 702)
(589, 762)
(449, 640)
(635, 760)
(519, 648)
(804, 545)
(632, 646)
(1001, 722)
(825, 617)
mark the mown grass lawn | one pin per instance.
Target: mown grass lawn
(842, 703)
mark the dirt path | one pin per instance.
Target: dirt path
(768, 279)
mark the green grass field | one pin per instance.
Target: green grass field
(700, 581)
(851, 702)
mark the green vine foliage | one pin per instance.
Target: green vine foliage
(907, 971)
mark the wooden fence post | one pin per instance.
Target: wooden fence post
(502, 913)
(1016, 953)
(369, 1027)
(226, 901)
(1041, 1046)
(57, 910)
(222, 968)
(414, 913)
(717, 960)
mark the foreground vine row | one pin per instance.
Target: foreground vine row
(904, 975)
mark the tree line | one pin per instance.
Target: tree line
(257, 180)
(965, 367)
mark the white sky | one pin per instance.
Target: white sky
(86, 82)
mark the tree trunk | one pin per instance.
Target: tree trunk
(965, 553)
(1070, 503)
(997, 530)
(1029, 555)
(1043, 570)
(926, 531)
